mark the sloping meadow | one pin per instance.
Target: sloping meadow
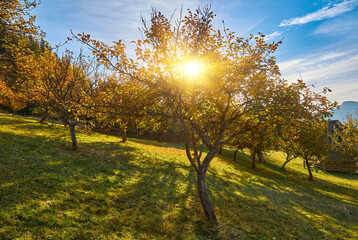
(147, 190)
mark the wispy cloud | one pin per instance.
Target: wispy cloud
(329, 11)
(347, 24)
(107, 21)
(287, 65)
(337, 70)
(112, 19)
(272, 35)
(249, 28)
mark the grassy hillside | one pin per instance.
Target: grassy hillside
(146, 190)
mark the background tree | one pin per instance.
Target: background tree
(17, 50)
(260, 138)
(67, 84)
(15, 17)
(287, 144)
(311, 144)
(345, 140)
(19, 74)
(119, 102)
(299, 108)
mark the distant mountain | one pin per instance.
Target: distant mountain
(348, 107)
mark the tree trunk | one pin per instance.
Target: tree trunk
(204, 198)
(284, 164)
(73, 136)
(220, 149)
(160, 134)
(201, 168)
(195, 150)
(287, 161)
(261, 157)
(44, 118)
(309, 170)
(235, 153)
(124, 135)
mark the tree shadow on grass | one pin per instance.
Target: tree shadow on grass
(8, 120)
(349, 176)
(36, 177)
(267, 203)
(104, 190)
(180, 146)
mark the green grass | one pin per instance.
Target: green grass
(146, 190)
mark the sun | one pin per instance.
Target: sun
(192, 68)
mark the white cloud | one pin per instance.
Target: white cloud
(284, 66)
(254, 24)
(336, 70)
(344, 91)
(324, 13)
(333, 55)
(342, 26)
(272, 35)
(321, 70)
(106, 21)
(112, 19)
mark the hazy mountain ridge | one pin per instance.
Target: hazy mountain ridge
(348, 107)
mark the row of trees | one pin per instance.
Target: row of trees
(17, 30)
(31, 73)
(239, 99)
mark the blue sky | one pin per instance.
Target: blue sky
(320, 36)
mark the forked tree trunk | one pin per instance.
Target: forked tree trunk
(309, 170)
(204, 198)
(201, 167)
(203, 195)
(73, 136)
(288, 159)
